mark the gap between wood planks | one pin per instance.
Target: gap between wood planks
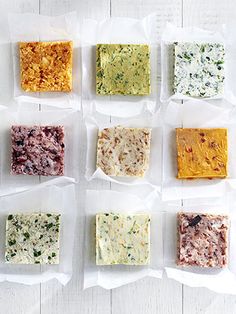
(182, 201)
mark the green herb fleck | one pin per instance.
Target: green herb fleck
(48, 226)
(27, 235)
(12, 242)
(37, 253)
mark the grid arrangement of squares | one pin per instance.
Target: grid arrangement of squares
(202, 153)
(46, 66)
(199, 69)
(32, 238)
(122, 239)
(124, 151)
(202, 240)
(38, 150)
(123, 69)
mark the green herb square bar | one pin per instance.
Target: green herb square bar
(32, 238)
(122, 69)
(122, 239)
(199, 69)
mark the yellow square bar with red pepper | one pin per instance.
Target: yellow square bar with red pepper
(202, 153)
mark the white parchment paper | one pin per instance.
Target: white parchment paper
(114, 276)
(95, 122)
(65, 117)
(216, 279)
(57, 196)
(118, 31)
(192, 34)
(34, 27)
(195, 114)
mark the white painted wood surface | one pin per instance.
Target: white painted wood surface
(147, 296)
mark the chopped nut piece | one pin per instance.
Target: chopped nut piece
(46, 66)
(202, 153)
(202, 240)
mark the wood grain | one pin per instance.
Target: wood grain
(14, 298)
(201, 300)
(208, 15)
(6, 76)
(71, 299)
(148, 296)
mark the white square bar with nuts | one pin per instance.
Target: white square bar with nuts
(124, 151)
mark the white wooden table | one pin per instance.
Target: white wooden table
(147, 296)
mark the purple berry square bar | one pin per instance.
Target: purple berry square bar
(202, 239)
(37, 150)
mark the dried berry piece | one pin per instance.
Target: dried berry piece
(195, 221)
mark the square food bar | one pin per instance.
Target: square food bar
(202, 153)
(124, 151)
(37, 150)
(122, 239)
(46, 66)
(32, 239)
(202, 240)
(199, 69)
(123, 69)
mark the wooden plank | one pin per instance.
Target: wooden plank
(166, 10)
(56, 299)
(95, 9)
(14, 297)
(72, 299)
(208, 14)
(148, 295)
(6, 77)
(201, 300)
(20, 299)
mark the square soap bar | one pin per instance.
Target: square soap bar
(122, 239)
(32, 239)
(202, 153)
(46, 66)
(199, 69)
(37, 150)
(124, 151)
(122, 69)
(202, 240)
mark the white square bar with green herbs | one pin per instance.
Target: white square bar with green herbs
(199, 69)
(32, 238)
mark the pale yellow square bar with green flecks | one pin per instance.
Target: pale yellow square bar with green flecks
(122, 239)
(123, 69)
